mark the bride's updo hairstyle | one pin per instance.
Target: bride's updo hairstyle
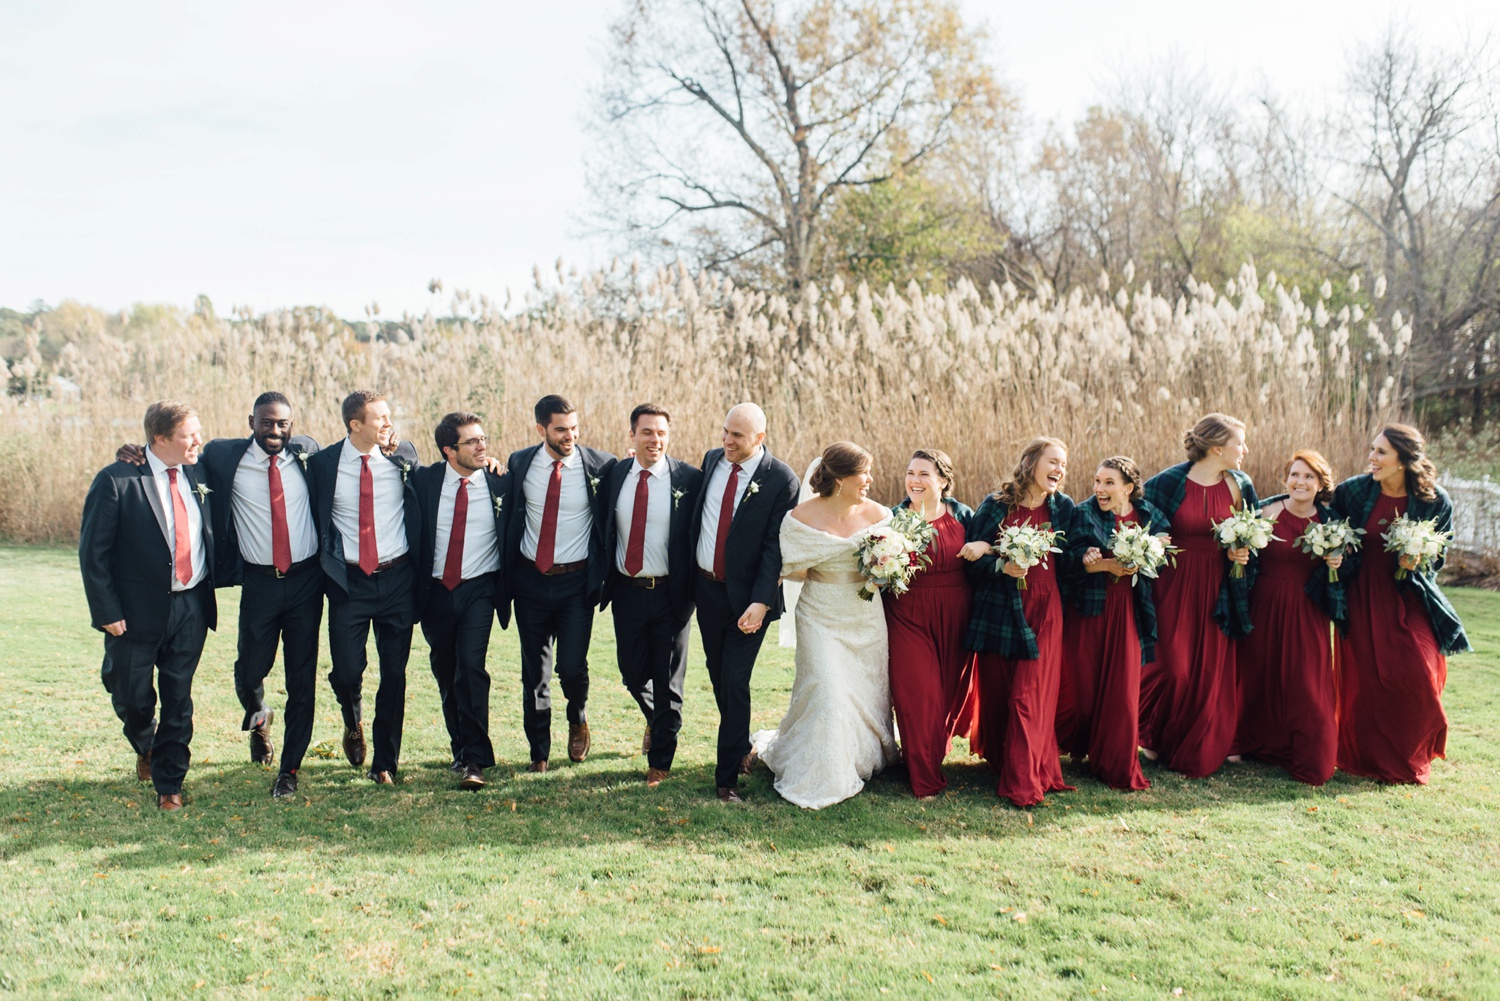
(1013, 490)
(1211, 431)
(841, 459)
(1411, 449)
(941, 463)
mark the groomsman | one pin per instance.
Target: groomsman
(368, 521)
(737, 547)
(651, 578)
(462, 525)
(554, 570)
(145, 550)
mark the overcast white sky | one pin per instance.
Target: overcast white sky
(339, 153)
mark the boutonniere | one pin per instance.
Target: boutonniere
(405, 469)
(752, 490)
(202, 490)
(677, 496)
(498, 502)
(594, 485)
(302, 457)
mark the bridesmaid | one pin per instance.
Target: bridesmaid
(1018, 634)
(1288, 695)
(1189, 699)
(1112, 625)
(930, 669)
(1391, 662)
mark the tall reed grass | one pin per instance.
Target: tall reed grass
(976, 372)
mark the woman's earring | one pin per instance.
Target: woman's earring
(838, 487)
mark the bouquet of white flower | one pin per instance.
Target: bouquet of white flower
(1329, 538)
(1137, 549)
(1244, 530)
(1419, 539)
(889, 556)
(1025, 546)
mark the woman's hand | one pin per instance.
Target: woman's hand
(1111, 565)
(974, 550)
(1092, 556)
(1334, 561)
(1012, 570)
(1240, 556)
(1409, 563)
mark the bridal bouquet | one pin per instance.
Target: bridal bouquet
(1025, 546)
(1137, 549)
(1329, 538)
(891, 555)
(1244, 530)
(1419, 539)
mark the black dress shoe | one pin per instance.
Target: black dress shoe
(457, 768)
(285, 787)
(382, 778)
(262, 750)
(473, 778)
(354, 744)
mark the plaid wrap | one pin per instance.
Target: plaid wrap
(998, 621)
(1092, 528)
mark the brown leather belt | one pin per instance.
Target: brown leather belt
(302, 566)
(560, 568)
(644, 583)
(380, 567)
(709, 574)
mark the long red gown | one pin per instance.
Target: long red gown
(1392, 672)
(930, 669)
(1104, 667)
(1189, 699)
(1288, 695)
(1017, 699)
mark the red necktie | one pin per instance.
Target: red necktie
(369, 552)
(281, 539)
(635, 547)
(182, 546)
(726, 515)
(453, 567)
(546, 541)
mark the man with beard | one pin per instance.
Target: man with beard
(462, 525)
(145, 550)
(554, 569)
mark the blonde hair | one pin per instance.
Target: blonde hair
(1211, 431)
(1013, 490)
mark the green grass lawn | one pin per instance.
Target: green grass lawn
(583, 883)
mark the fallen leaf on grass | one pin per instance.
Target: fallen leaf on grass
(929, 977)
(1413, 915)
(940, 920)
(1020, 916)
(619, 967)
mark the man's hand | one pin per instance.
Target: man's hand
(115, 628)
(494, 465)
(133, 454)
(751, 621)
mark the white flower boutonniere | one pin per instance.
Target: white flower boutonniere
(405, 469)
(302, 457)
(202, 490)
(677, 496)
(752, 490)
(498, 502)
(594, 485)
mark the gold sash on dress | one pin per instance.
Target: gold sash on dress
(834, 576)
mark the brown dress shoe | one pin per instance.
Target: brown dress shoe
(382, 778)
(354, 744)
(728, 795)
(537, 766)
(262, 750)
(169, 801)
(654, 777)
(143, 767)
(473, 778)
(578, 741)
(748, 761)
(646, 741)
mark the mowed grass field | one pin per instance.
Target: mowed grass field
(581, 883)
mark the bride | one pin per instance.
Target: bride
(837, 729)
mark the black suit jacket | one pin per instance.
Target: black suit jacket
(687, 483)
(125, 555)
(596, 466)
(324, 468)
(429, 485)
(220, 460)
(752, 553)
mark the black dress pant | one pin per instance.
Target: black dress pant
(731, 655)
(127, 676)
(651, 642)
(457, 626)
(288, 609)
(385, 600)
(555, 620)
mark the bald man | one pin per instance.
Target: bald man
(736, 530)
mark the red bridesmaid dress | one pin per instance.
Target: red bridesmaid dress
(1392, 672)
(930, 669)
(1288, 696)
(1017, 699)
(1106, 680)
(1189, 698)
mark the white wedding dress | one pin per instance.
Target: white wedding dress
(837, 730)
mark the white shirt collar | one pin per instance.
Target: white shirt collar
(451, 475)
(351, 450)
(567, 461)
(158, 467)
(260, 455)
(658, 471)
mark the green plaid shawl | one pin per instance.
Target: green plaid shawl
(1165, 491)
(1092, 528)
(1354, 499)
(998, 621)
(1328, 597)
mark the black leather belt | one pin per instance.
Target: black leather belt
(709, 574)
(560, 568)
(302, 566)
(381, 567)
(644, 583)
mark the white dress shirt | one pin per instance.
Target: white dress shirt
(481, 545)
(390, 500)
(163, 484)
(658, 517)
(251, 498)
(575, 519)
(713, 496)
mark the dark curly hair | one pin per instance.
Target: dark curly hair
(1411, 449)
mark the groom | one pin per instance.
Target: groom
(737, 532)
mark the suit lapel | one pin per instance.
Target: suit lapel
(203, 510)
(754, 486)
(148, 484)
